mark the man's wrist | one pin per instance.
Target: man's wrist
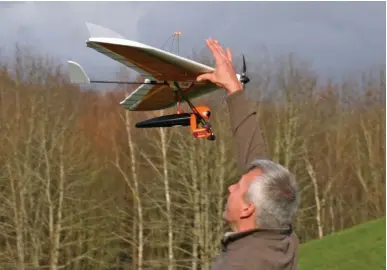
(237, 86)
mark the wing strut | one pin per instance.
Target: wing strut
(121, 82)
(78, 76)
(204, 132)
(189, 103)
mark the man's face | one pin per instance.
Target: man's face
(237, 208)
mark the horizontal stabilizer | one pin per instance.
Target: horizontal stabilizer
(182, 119)
(77, 74)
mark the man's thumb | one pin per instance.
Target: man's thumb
(205, 77)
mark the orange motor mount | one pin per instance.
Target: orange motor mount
(203, 131)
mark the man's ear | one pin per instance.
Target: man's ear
(248, 210)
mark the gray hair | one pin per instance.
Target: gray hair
(274, 193)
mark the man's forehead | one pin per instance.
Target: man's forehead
(254, 172)
(250, 175)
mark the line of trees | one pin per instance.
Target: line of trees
(81, 188)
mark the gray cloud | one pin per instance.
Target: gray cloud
(337, 36)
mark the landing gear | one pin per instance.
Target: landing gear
(200, 126)
(211, 137)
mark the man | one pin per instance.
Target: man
(263, 203)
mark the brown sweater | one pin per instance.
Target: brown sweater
(256, 249)
(248, 138)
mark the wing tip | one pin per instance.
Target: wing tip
(117, 41)
(96, 30)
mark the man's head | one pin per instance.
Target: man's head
(266, 196)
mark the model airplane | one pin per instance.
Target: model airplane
(169, 80)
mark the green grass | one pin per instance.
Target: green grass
(360, 247)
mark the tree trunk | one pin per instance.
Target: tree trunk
(168, 202)
(136, 191)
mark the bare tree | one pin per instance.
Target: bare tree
(131, 179)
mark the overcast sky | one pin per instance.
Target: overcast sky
(337, 36)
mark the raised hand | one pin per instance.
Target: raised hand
(224, 75)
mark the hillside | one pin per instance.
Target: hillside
(360, 247)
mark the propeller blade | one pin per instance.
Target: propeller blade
(244, 64)
(244, 79)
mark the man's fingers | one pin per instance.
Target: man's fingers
(211, 46)
(217, 51)
(229, 55)
(206, 77)
(218, 46)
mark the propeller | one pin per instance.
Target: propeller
(244, 79)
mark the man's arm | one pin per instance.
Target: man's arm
(248, 138)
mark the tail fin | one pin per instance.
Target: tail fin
(77, 74)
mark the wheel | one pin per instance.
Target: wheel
(211, 137)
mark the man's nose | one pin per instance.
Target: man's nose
(231, 188)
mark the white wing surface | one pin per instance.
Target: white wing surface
(150, 62)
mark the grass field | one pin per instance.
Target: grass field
(360, 247)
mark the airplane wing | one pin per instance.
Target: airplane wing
(146, 97)
(150, 62)
(156, 97)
